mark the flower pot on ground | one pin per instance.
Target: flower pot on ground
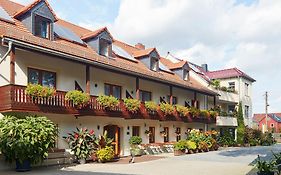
(180, 147)
(36, 91)
(26, 148)
(134, 142)
(151, 106)
(167, 109)
(108, 102)
(132, 105)
(78, 98)
(81, 143)
(183, 111)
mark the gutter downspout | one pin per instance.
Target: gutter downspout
(8, 52)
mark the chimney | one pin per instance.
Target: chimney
(140, 46)
(205, 67)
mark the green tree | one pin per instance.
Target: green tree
(241, 125)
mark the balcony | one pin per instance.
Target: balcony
(13, 98)
(226, 121)
(227, 96)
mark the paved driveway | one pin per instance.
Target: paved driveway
(230, 161)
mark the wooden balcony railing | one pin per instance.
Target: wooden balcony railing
(14, 98)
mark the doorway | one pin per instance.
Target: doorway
(113, 132)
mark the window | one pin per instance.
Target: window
(178, 133)
(231, 108)
(166, 136)
(104, 47)
(246, 89)
(42, 27)
(152, 135)
(113, 90)
(145, 96)
(154, 64)
(44, 78)
(272, 125)
(246, 111)
(231, 86)
(174, 101)
(185, 75)
(136, 131)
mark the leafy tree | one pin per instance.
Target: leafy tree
(241, 125)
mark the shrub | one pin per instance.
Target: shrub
(194, 111)
(26, 139)
(81, 142)
(202, 145)
(226, 139)
(105, 154)
(267, 139)
(108, 101)
(78, 98)
(265, 167)
(183, 111)
(213, 114)
(204, 113)
(191, 145)
(166, 108)
(180, 145)
(216, 83)
(151, 105)
(36, 90)
(135, 140)
(132, 105)
(241, 125)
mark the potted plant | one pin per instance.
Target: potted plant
(180, 147)
(183, 111)
(204, 113)
(147, 132)
(151, 106)
(132, 105)
(108, 102)
(213, 114)
(134, 142)
(78, 98)
(81, 143)
(36, 91)
(163, 133)
(26, 140)
(191, 146)
(105, 154)
(100, 142)
(167, 108)
(264, 167)
(194, 111)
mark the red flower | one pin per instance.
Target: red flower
(91, 132)
(76, 135)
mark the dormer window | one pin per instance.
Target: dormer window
(42, 27)
(185, 75)
(154, 64)
(104, 47)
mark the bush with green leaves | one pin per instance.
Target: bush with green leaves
(37, 90)
(28, 138)
(151, 106)
(108, 102)
(81, 142)
(265, 167)
(135, 140)
(167, 108)
(102, 141)
(216, 83)
(182, 110)
(78, 98)
(132, 105)
(204, 113)
(105, 154)
(191, 145)
(194, 111)
(267, 139)
(226, 139)
(213, 114)
(241, 125)
(180, 145)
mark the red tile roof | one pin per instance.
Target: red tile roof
(19, 32)
(228, 73)
(95, 33)
(259, 117)
(172, 65)
(31, 6)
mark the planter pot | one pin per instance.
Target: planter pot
(179, 152)
(265, 173)
(94, 157)
(24, 166)
(82, 161)
(247, 145)
(190, 151)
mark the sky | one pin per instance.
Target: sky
(235, 33)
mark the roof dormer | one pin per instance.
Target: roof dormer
(180, 67)
(100, 40)
(149, 57)
(38, 18)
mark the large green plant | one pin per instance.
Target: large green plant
(135, 140)
(180, 145)
(27, 138)
(81, 142)
(241, 125)
(36, 90)
(265, 167)
(191, 145)
(108, 102)
(132, 105)
(105, 154)
(182, 110)
(167, 108)
(151, 106)
(102, 141)
(78, 98)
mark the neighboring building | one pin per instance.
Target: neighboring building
(37, 47)
(273, 122)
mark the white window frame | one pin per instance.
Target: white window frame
(247, 89)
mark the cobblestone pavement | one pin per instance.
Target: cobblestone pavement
(230, 161)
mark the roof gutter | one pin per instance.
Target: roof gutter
(90, 62)
(10, 44)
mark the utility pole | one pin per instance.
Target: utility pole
(266, 110)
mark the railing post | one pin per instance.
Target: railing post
(12, 65)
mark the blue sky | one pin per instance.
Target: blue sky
(233, 33)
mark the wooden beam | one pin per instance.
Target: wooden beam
(88, 86)
(215, 101)
(137, 88)
(171, 95)
(12, 65)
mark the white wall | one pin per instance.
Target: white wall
(4, 67)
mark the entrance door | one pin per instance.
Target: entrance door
(152, 135)
(113, 132)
